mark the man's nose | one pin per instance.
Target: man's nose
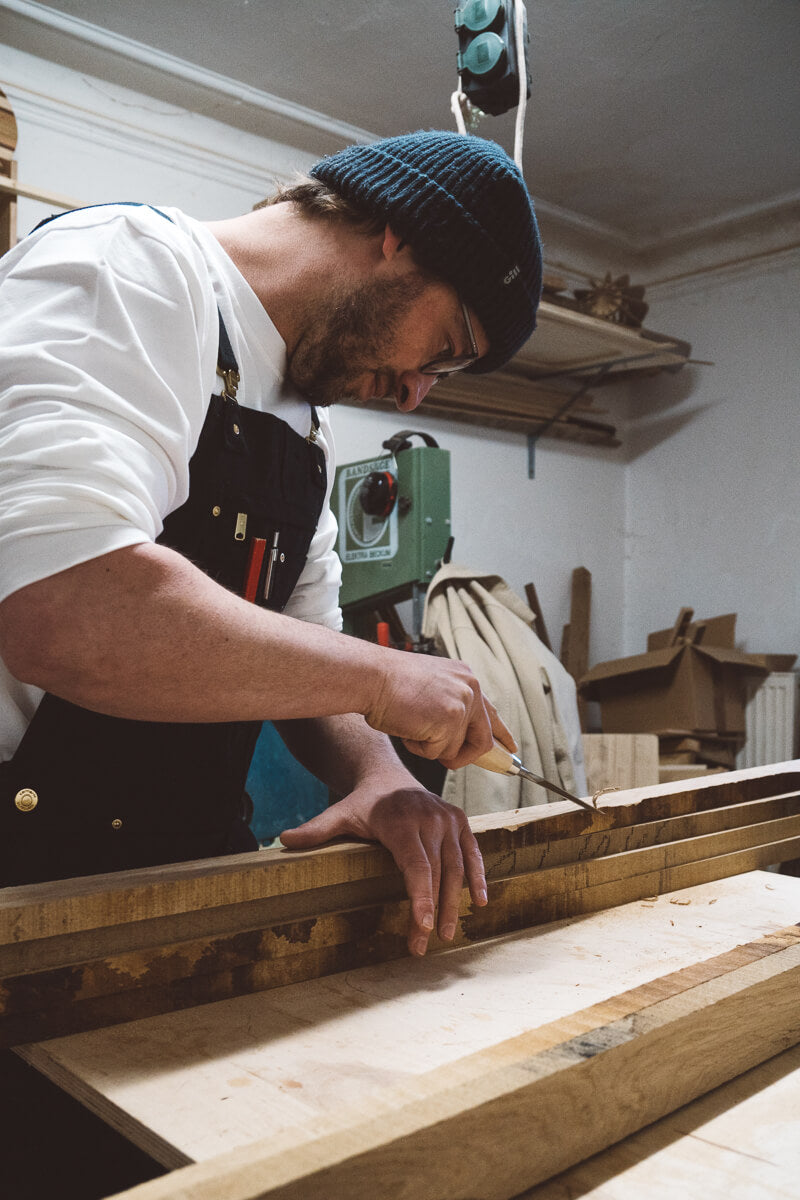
(412, 388)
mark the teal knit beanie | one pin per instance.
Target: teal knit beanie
(461, 204)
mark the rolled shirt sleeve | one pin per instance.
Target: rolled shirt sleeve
(107, 358)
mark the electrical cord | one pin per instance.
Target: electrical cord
(456, 101)
(459, 101)
(520, 16)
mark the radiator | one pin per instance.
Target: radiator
(772, 720)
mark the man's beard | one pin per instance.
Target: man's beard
(350, 336)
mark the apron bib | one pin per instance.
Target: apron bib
(87, 793)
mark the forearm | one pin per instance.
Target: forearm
(344, 752)
(143, 633)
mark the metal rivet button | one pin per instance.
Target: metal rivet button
(216, 510)
(26, 800)
(283, 558)
(236, 429)
(116, 823)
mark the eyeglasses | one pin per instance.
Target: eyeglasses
(448, 364)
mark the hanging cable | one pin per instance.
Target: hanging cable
(492, 64)
(457, 101)
(520, 24)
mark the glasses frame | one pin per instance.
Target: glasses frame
(442, 367)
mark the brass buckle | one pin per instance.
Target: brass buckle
(230, 381)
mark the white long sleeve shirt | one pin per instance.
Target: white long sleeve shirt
(108, 353)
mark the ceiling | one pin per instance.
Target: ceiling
(651, 124)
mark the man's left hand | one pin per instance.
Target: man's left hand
(430, 841)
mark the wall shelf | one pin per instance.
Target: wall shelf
(569, 342)
(543, 392)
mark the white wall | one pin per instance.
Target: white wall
(90, 140)
(701, 507)
(713, 477)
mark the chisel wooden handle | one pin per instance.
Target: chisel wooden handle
(503, 762)
(498, 759)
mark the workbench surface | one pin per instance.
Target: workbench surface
(191, 1084)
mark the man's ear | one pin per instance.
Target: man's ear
(393, 244)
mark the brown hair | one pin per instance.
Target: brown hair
(315, 199)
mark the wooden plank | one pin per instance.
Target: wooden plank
(11, 187)
(190, 1085)
(536, 609)
(513, 393)
(674, 772)
(140, 965)
(740, 1140)
(8, 208)
(681, 626)
(623, 760)
(495, 415)
(466, 1129)
(123, 898)
(580, 621)
(121, 986)
(575, 646)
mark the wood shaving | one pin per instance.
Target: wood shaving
(677, 901)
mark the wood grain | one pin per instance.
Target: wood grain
(507, 1117)
(623, 760)
(278, 931)
(740, 1140)
(191, 1084)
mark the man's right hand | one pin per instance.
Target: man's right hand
(436, 706)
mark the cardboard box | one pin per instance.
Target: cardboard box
(713, 631)
(700, 688)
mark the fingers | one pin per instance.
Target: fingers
(430, 841)
(419, 886)
(450, 889)
(435, 880)
(436, 706)
(469, 739)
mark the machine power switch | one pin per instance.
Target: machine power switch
(378, 493)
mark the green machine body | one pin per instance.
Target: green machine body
(393, 512)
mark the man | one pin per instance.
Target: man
(167, 562)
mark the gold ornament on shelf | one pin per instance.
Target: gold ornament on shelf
(613, 300)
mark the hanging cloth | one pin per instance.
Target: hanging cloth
(476, 617)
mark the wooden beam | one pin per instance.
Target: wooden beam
(505, 1118)
(575, 644)
(536, 609)
(78, 954)
(124, 898)
(12, 187)
(8, 208)
(620, 760)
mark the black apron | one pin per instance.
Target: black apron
(87, 793)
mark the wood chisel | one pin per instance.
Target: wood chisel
(503, 762)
